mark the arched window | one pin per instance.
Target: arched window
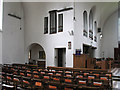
(95, 31)
(91, 25)
(85, 23)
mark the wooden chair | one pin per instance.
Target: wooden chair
(46, 78)
(42, 72)
(22, 73)
(68, 71)
(36, 76)
(70, 74)
(4, 80)
(82, 82)
(26, 83)
(109, 74)
(96, 74)
(91, 76)
(55, 79)
(17, 81)
(79, 75)
(35, 71)
(86, 73)
(99, 84)
(46, 81)
(37, 84)
(68, 83)
(51, 73)
(9, 79)
(16, 72)
(60, 74)
(29, 74)
(52, 86)
(105, 80)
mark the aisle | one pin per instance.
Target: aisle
(116, 72)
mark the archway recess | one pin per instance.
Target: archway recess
(36, 55)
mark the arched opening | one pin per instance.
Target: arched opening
(91, 20)
(36, 55)
(85, 20)
(85, 23)
(91, 25)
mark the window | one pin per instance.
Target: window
(45, 25)
(60, 23)
(53, 21)
(85, 27)
(95, 30)
(41, 55)
(91, 25)
(29, 55)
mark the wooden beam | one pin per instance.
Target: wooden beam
(64, 9)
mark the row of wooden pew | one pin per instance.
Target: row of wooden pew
(57, 78)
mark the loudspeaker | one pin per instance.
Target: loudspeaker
(99, 30)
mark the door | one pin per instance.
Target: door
(60, 57)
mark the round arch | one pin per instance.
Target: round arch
(36, 54)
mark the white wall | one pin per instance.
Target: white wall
(13, 37)
(1, 5)
(1, 13)
(79, 39)
(14, 41)
(101, 12)
(110, 36)
(34, 30)
(1, 48)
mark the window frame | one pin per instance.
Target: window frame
(53, 23)
(60, 25)
(45, 25)
(95, 30)
(91, 25)
(41, 55)
(85, 24)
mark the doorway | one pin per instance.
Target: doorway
(60, 57)
(36, 55)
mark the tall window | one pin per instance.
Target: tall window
(91, 25)
(60, 22)
(45, 25)
(53, 21)
(29, 55)
(85, 27)
(95, 30)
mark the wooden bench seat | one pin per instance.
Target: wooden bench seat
(57, 77)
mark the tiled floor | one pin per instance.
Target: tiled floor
(116, 84)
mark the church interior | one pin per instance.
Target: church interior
(59, 45)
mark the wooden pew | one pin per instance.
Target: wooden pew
(57, 76)
(76, 69)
